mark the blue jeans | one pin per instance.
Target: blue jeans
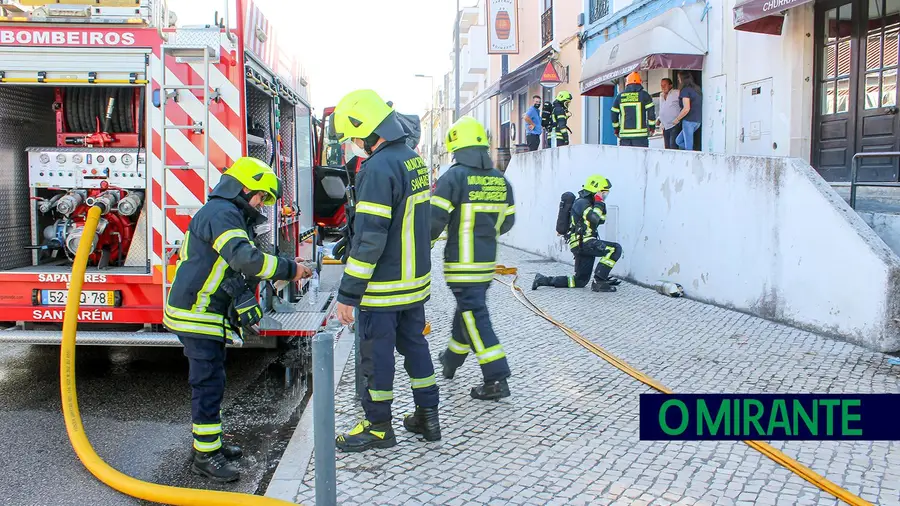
(685, 139)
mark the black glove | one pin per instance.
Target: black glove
(247, 310)
(341, 249)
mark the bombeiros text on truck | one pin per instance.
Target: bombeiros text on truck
(111, 103)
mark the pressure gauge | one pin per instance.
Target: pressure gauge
(60, 158)
(112, 159)
(45, 158)
(77, 158)
(127, 159)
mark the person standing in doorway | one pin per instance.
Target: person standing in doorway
(691, 101)
(633, 114)
(534, 130)
(669, 107)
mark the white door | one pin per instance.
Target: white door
(755, 135)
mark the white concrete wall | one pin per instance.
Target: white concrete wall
(762, 235)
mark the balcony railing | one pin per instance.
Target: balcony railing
(599, 9)
(547, 27)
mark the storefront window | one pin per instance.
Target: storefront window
(836, 59)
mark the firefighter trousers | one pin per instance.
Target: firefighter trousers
(637, 142)
(382, 332)
(608, 254)
(472, 329)
(206, 375)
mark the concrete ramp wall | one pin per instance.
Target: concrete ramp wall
(762, 235)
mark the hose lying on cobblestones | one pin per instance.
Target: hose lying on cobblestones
(764, 448)
(103, 471)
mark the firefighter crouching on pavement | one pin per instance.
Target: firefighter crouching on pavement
(559, 118)
(388, 273)
(633, 114)
(586, 215)
(476, 200)
(213, 298)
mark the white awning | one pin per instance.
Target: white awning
(675, 39)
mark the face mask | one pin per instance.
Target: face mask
(355, 150)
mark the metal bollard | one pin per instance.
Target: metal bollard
(323, 417)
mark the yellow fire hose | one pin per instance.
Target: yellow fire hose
(764, 448)
(105, 473)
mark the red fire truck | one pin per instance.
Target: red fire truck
(109, 103)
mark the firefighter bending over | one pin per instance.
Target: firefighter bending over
(477, 202)
(633, 114)
(213, 299)
(560, 117)
(586, 214)
(388, 273)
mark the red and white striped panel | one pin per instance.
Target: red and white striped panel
(226, 139)
(269, 52)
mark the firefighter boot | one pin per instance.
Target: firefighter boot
(491, 391)
(540, 280)
(424, 421)
(232, 451)
(602, 286)
(448, 370)
(215, 466)
(367, 435)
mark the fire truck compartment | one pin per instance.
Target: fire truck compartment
(63, 149)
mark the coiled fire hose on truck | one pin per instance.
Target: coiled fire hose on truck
(764, 448)
(100, 469)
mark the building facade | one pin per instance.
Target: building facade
(812, 79)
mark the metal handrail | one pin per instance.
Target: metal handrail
(159, 7)
(854, 169)
(231, 36)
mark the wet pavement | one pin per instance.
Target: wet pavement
(136, 409)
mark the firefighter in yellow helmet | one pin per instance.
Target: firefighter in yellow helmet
(559, 118)
(213, 298)
(583, 216)
(388, 272)
(476, 201)
(633, 114)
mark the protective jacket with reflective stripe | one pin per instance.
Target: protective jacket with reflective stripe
(586, 215)
(633, 112)
(218, 246)
(389, 267)
(474, 201)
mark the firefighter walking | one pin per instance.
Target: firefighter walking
(588, 213)
(213, 298)
(476, 201)
(559, 118)
(388, 272)
(633, 114)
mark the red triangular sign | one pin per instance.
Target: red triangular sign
(550, 74)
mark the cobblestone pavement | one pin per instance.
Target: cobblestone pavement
(569, 434)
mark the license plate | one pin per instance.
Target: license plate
(88, 298)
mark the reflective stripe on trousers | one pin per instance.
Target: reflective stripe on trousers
(472, 331)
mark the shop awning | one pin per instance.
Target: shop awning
(676, 39)
(526, 74)
(762, 16)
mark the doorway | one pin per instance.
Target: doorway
(856, 93)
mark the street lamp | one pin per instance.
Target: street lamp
(430, 128)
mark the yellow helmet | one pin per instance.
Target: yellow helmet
(597, 184)
(465, 133)
(564, 96)
(257, 176)
(359, 113)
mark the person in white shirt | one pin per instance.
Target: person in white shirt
(668, 111)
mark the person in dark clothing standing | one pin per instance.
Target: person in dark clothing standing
(691, 115)
(213, 298)
(477, 203)
(533, 119)
(633, 114)
(388, 273)
(559, 118)
(587, 213)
